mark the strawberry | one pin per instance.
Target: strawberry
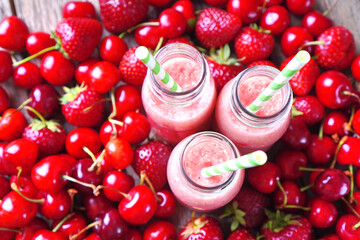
(132, 70)
(201, 228)
(308, 109)
(120, 15)
(152, 158)
(241, 234)
(281, 226)
(262, 62)
(337, 49)
(253, 43)
(78, 37)
(247, 208)
(222, 67)
(82, 106)
(216, 27)
(304, 80)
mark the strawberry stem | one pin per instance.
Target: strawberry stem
(91, 225)
(55, 47)
(67, 217)
(14, 187)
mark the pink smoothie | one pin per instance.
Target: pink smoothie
(185, 163)
(247, 135)
(173, 122)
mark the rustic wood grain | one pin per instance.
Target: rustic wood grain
(5, 8)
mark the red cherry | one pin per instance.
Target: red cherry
(270, 3)
(160, 230)
(172, 23)
(12, 125)
(81, 172)
(293, 195)
(119, 153)
(247, 11)
(140, 205)
(269, 173)
(127, 98)
(44, 234)
(56, 205)
(37, 41)
(57, 69)
(24, 185)
(79, 138)
(133, 234)
(112, 48)
(316, 22)
(297, 136)
(103, 76)
(2, 161)
(322, 214)
(294, 39)
(148, 36)
(275, 19)
(7, 235)
(112, 225)
(82, 72)
(6, 67)
(187, 9)
(27, 75)
(355, 68)
(312, 177)
(357, 177)
(4, 100)
(13, 33)
(345, 227)
(93, 236)
(118, 180)
(331, 89)
(332, 184)
(105, 165)
(136, 127)
(4, 186)
(78, 9)
(72, 226)
(96, 205)
(166, 205)
(320, 149)
(334, 123)
(217, 3)
(289, 162)
(159, 3)
(45, 100)
(299, 7)
(30, 228)
(348, 151)
(106, 131)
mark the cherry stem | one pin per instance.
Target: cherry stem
(55, 47)
(11, 230)
(283, 205)
(92, 186)
(343, 139)
(113, 104)
(311, 169)
(143, 177)
(348, 93)
(158, 46)
(351, 171)
(347, 127)
(350, 207)
(14, 187)
(305, 188)
(26, 102)
(311, 44)
(42, 119)
(330, 8)
(144, 24)
(87, 109)
(97, 161)
(125, 195)
(298, 207)
(356, 226)
(72, 192)
(67, 217)
(91, 225)
(18, 177)
(88, 151)
(116, 122)
(321, 131)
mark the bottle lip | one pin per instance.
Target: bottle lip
(216, 136)
(242, 113)
(164, 54)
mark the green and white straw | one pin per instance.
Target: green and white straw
(253, 159)
(148, 59)
(295, 64)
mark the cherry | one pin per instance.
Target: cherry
(20, 153)
(160, 230)
(79, 138)
(357, 177)
(57, 69)
(299, 7)
(149, 36)
(37, 41)
(289, 162)
(6, 67)
(44, 234)
(270, 3)
(297, 136)
(262, 62)
(30, 228)
(275, 19)
(294, 39)
(187, 9)
(117, 180)
(312, 177)
(332, 88)
(127, 98)
(112, 49)
(136, 127)
(334, 123)
(16, 211)
(332, 184)
(355, 68)
(247, 11)
(166, 204)
(12, 125)
(27, 75)
(103, 76)
(159, 3)
(82, 72)
(106, 131)
(133, 234)
(217, 3)
(348, 151)
(2, 161)
(24, 185)
(47, 173)
(105, 165)
(139, 206)
(4, 100)
(82, 173)
(13, 33)
(78, 9)
(96, 205)
(4, 186)
(320, 150)
(93, 236)
(294, 197)
(322, 214)
(269, 173)
(112, 226)
(72, 226)
(316, 22)
(7, 235)
(119, 153)
(172, 23)
(56, 205)
(347, 227)
(355, 204)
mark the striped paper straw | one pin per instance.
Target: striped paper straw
(148, 59)
(253, 159)
(295, 64)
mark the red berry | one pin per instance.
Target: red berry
(79, 138)
(316, 22)
(103, 76)
(172, 23)
(320, 150)
(160, 230)
(37, 41)
(132, 70)
(78, 9)
(322, 214)
(118, 180)
(289, 162)
(45, 100)
(332, 184)
(27, 75)
(13, 33)
(308, 109)
(299, 7)
(127, 99)
(294, 39)
(136, 127)
(12, 125)
(297, 136)
(275, 19)
(112, 49)
(166, 204)
(4, 100)
(247, 11)
(269, 173)
(119, 153)
(82, 72)
(6, 67)
(203, 227)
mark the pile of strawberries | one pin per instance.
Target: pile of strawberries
(67, 153)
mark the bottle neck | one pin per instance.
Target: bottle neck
(179, 50)
(249, 118)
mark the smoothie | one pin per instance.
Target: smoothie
(174, 116)
(249, 131)
(193, 190)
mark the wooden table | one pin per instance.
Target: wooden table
(43, 15)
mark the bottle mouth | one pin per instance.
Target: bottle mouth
(179, 50)
(242, 113)
(214, 136)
